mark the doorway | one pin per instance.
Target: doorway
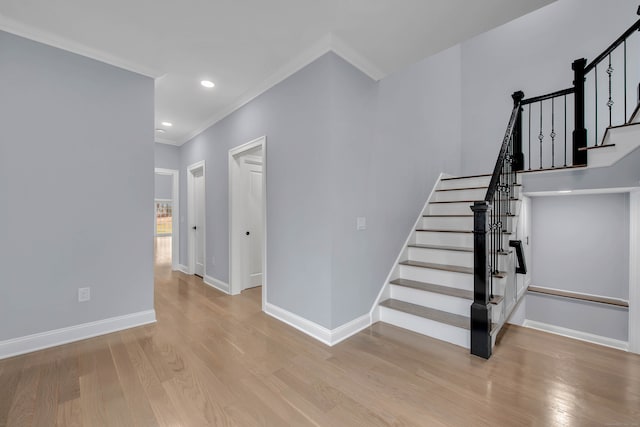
(247, 216)
(166, 225)
(196, 200)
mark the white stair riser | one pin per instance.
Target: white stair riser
(447, 223)
(446, 278)
(449, 209)
(456, 223)
(462, 208)
(463, 240)
(448, 184)
(440, 256)
(440, 302)
(496, 312)
(437, 330)
(443, 196)
(438, 277)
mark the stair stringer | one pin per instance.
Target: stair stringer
(385, 291)
(617, 143)
(502, 312)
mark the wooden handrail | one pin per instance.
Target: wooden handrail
(635, 27)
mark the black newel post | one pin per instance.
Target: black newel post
(480, 310)
(518, 161)
(579, 132)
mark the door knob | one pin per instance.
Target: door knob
(247, 233)
(194, 227)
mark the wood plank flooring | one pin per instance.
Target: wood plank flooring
(217, 360)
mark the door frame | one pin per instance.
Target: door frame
(191, 214)
(175, 212)
(634, 271)
(235, 226)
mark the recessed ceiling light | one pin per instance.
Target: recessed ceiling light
(160, 130)
(207, 83)
(167, 124)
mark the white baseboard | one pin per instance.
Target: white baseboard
(183, 268)
(29, 343)
(343, 332)
(216, 284)
(327, 336)
(578, 335)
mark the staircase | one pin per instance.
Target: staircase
(456, 278)
(432, 285)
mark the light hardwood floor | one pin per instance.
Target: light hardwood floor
(217, 360)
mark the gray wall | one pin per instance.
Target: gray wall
(163, 186)
(339, 146)
(415, 136)
(534, 54)
(76, 174)
(580, 243)
(294, 115)
(166, 156)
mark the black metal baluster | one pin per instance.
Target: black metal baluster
(529, 136)
(565, 131)
(625, 81)
(493, 245)
(540, 135)
(595, 135)
(553, 132)
(610, 101)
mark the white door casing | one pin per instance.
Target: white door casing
(634, 271)
(175, 208)
(196, 199)
(241, 262)
(198, 226)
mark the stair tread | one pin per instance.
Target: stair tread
(437, 289)
(559, 168)
(447, 216)
(471, 188)
(449, 248)
(469, 201)
(595, 147)
(463, 177)
(447, 267)
(444, 231)
(464, 188)
(434, 230)
(496, 299)
(436, 266)
(456, 216)
(428, 313)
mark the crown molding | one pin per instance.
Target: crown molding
(353, 57)
(50, 39)
(328, 43)
(167, 142)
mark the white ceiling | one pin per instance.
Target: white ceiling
(246, 46)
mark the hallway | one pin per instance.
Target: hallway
(213, 359)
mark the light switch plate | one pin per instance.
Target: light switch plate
(361, 223)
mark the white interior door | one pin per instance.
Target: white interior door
(198, 225)
(252, 172)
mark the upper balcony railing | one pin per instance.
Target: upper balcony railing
(559, 127)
